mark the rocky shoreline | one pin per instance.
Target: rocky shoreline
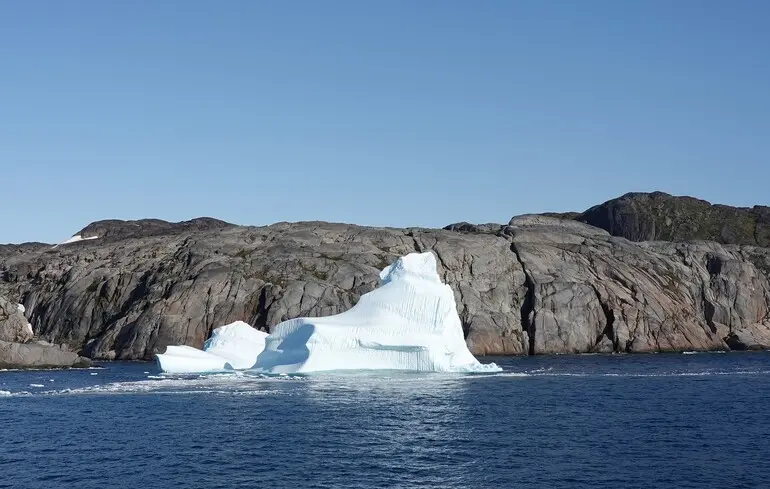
(18, 348)
(541, 284)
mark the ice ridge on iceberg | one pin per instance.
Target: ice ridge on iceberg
(231, 347)
(409, 322)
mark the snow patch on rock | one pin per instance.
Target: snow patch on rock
(76, 239)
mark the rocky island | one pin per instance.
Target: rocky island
(641, 273)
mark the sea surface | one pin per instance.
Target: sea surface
(615, 421)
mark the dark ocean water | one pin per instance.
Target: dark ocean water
(647, 421)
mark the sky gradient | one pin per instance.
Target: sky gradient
(393, 113)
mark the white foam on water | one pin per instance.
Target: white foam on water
(509, 374)
(235, 383)
(254, 384)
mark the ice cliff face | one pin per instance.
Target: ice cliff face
(410, 322)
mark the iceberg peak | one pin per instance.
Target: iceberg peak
(419, 266)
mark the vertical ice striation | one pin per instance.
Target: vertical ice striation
(410, 322)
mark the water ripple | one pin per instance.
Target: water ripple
(685, 421)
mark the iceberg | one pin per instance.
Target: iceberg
(231, 347)
(409, 322)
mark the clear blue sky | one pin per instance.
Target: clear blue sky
(374, 112)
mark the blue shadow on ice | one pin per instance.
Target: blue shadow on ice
(290, 351)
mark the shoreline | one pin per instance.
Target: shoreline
(104, 364)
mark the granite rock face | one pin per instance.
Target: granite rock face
(593, 292)
(115, 229)
(17, 350)
(39, 355)
(13, 325)
(537, 285)
(660, 216)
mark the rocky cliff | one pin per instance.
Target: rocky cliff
(13, 325)
(17, 349)
(537, 285)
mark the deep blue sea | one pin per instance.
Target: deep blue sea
(616, 421)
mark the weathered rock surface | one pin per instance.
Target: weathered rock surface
(36, 355)
(13, 325)
(589, 291)
(660, 216)
(537, 285)
(16, 350)
(115, 229)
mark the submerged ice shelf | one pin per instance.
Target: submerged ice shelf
(409, 322)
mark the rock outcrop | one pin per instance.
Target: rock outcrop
(38, 355)
(115, 229)
(17, 349)
(658, 216)
(537, 285)
(13, 325)
(589, 291)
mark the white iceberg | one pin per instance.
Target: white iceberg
(231, 347)
(410, 323)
